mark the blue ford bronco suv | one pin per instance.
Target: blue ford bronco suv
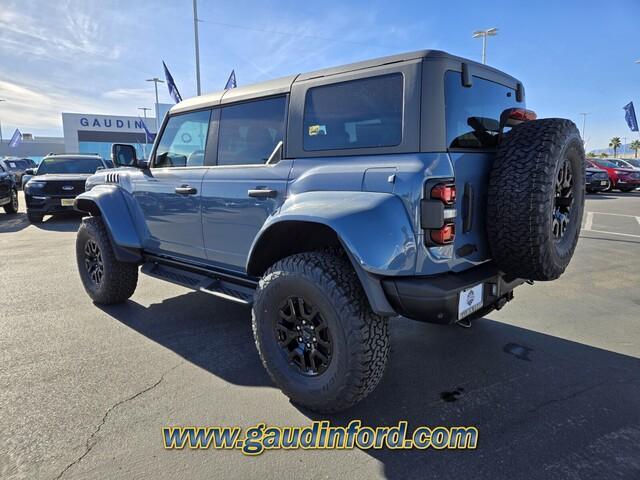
(416, 185)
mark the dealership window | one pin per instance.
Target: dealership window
(250, 131)
(183, 140)
(473, 113)
(356, 114)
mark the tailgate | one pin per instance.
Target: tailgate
(472, 179)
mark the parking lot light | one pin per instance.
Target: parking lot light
(490, 32)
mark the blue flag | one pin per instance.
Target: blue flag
(630, 117)
(171, 85)
(231, 83)
(16, 138)
(149, 137)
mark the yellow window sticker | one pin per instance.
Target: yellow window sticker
(317, 130)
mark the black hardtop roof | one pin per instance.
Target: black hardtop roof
(283, 84)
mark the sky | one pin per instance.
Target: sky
(90, 56)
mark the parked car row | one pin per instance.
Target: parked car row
(17, 167)
(620, 174)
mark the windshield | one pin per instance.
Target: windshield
(606, 163)
(635, 163)
(16, 165)
(69, 165)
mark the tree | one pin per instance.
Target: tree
(604, 155)
(615, 143)
(591, 154)
(635, 145)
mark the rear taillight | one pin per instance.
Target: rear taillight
(438, 213)
(444, 235)
(522, 115)
(444, 192)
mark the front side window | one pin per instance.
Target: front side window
(363, 113)
(183, 140)
(473, 113)
(249, 132)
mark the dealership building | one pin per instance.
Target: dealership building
(89, 133)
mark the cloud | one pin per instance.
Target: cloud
(59, 31)
(128, 93)
(28, 107)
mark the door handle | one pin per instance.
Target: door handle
(262, 193)
(186, 190)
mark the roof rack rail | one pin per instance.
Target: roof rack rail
(52, 154)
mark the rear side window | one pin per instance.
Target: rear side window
(183, 140)
(473, 113)
(250, 131)
(355, 114)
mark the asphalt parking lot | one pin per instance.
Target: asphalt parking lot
(552, 381)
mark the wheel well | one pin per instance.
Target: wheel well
(89, 206)
(288, 238)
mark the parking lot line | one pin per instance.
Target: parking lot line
(614, 233)
(589, 222)
(613, 214)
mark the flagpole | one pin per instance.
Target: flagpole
(1, 100)
(197, 43)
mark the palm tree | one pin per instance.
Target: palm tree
(635, 145)
(615, 143)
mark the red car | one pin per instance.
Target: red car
(623, 179)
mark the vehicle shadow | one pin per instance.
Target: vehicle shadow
(14, 222)
(68, 222)
(544, 407)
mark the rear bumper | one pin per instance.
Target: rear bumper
(435, 298)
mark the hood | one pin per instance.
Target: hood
(595, 170)
(61, 177)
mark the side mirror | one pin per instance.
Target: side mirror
(143, 163)
(30, 171)
(123, 155)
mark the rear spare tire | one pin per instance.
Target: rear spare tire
(536, 198)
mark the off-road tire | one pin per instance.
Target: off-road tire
(12, 206)
(119, 279)
(521, 198)
(35, 217)
(360, 337)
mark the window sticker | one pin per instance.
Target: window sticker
(317, 130)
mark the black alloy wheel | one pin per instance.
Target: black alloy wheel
(93, 262)
(303, 336)
(563, 200)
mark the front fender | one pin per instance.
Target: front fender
(108, 201)
(373, 227)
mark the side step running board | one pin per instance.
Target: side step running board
(203, 283)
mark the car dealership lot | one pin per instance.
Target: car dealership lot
(552, 381)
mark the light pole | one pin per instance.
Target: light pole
(1, 100)
(197, 43)
(584, 123)
(144, 146)
(144, 111)
(155, 81)
(489, 32)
